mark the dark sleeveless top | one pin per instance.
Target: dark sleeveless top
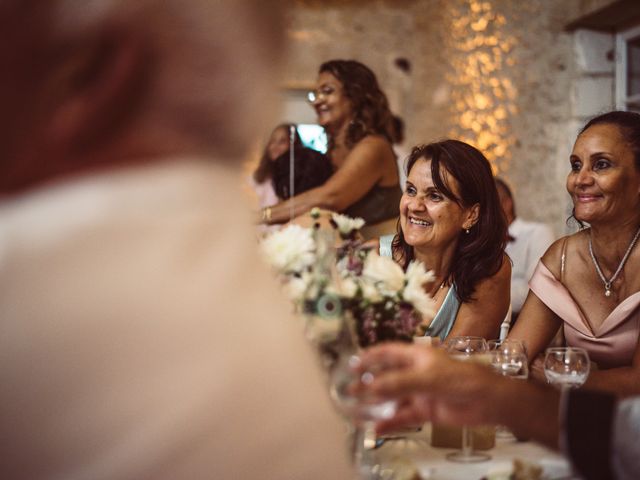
(378, 204)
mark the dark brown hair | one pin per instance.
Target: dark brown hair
(264, 170)
(371, 114)
(629, 125)
(311, 169)
(480, 253)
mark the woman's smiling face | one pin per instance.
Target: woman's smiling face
(332, 106)
(604, 182)
(427, 217)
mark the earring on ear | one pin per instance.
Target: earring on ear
(466, 231)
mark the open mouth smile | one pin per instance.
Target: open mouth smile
(417, 221)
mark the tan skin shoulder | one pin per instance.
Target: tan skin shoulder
(552, 258)
(382, 151)
(483, 316)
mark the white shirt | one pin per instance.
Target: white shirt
(141, 337)
(531, 241)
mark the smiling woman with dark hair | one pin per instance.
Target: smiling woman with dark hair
(451, 220)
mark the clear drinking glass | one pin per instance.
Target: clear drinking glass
(363, 410)
(509, 361)
(510, 364)
(507, 345)
(468, 348)
(566, 367)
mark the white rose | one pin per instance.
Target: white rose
(384, 272)
(347, 224)
(291, 249)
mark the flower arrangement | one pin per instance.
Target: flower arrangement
(349, 279)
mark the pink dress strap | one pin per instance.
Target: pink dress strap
(613, 343)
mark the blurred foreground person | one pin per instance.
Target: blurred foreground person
(598, 435)
(140, 339)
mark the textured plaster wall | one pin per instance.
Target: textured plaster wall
(498, 73)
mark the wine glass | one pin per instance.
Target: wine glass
(512, 364)
(507, 345)
(363, 409)
(509, 360)
(467, 348)
(566, 367)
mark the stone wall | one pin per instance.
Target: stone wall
(501, 74)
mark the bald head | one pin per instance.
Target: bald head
(120, 81)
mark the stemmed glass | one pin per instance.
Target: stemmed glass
(467, 348)
(363, 410)
(508, 358)
(566, 367)
(507, 345)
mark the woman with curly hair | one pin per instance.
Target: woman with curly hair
(451, 220)
(355, 115)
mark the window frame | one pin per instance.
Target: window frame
(621, 97)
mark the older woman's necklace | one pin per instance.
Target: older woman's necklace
(608, 283)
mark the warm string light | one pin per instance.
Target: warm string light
(483, 96)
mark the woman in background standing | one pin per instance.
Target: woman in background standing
(355, 114)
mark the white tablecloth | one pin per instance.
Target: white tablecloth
(433, 465)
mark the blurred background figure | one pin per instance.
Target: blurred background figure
(527, 243)
(310, 169)
(262, 178)
(355, 115)
(402, 154)
(135, 341)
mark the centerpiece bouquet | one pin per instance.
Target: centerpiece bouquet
(334, 279)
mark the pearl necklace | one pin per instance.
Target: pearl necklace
(608, 283)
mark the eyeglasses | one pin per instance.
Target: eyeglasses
(319, 94)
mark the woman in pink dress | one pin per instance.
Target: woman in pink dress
(588, 282)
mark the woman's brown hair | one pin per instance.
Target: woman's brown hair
(479, 253)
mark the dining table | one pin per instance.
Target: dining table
(414, 449)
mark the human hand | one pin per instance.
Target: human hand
(431, 386)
